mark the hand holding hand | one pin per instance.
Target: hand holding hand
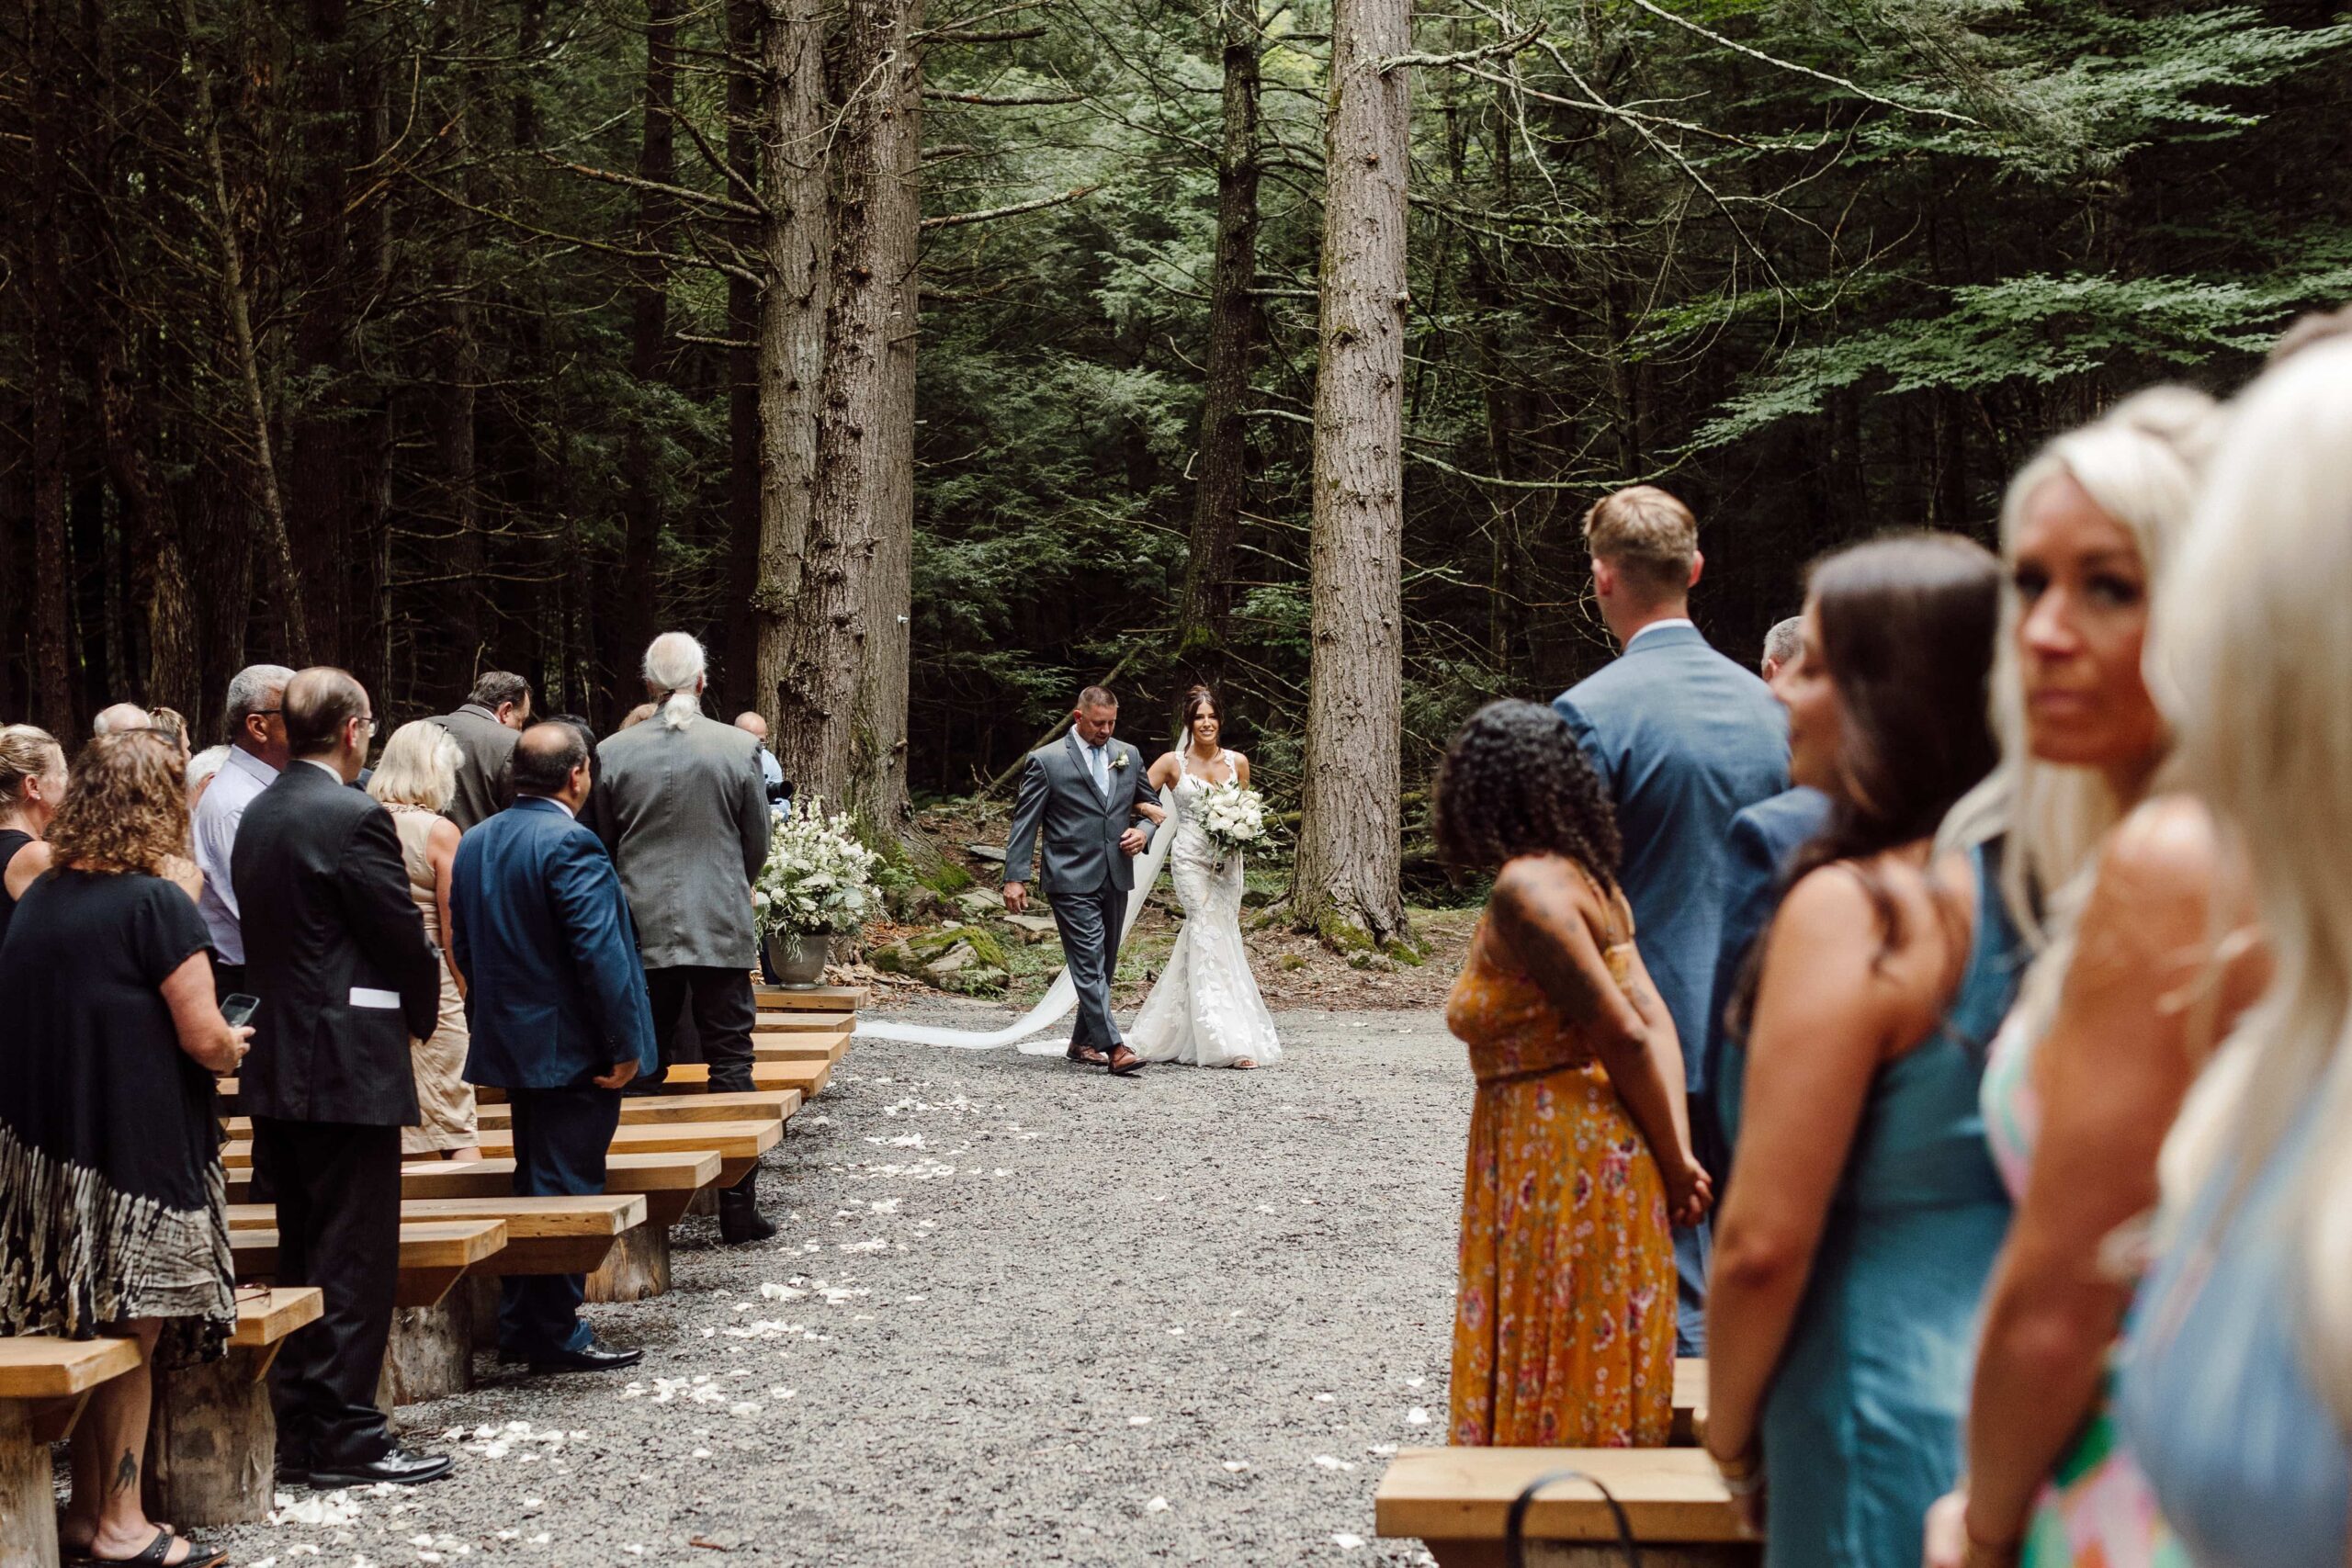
(1690, 1190)
(619, 1076)
(1947, 1542)
(1016, 896)
(1133, 841)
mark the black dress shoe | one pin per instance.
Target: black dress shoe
(398, 1467)
(594, 1359)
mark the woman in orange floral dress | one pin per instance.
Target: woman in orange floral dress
(1580, 1143)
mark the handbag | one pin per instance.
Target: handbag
(1515, 1523)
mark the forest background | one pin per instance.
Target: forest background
(930, 360)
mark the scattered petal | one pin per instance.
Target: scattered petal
(1157, 1505)
(1416, 1417)
(1346, 1542)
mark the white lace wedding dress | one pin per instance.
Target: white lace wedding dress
(1204, 1010)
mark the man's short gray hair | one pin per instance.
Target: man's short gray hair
(1780, 644)
(250, 691)
(121, 718)
(674, 665)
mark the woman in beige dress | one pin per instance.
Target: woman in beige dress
(416, 778)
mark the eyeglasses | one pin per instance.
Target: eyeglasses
(369, 721)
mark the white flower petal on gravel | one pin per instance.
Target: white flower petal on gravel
(1325, 1398)
(1331, 1461)
(1416, 1417)
(1237, 1466)
(540, 1539)
(1346, 1542)
(1157, 1505)
(1139, 1420)
(1382, 1449)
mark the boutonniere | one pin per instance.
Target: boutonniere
(1118, 762)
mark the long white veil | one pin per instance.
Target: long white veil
(1061, 996)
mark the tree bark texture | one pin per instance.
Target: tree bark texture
(53, 682)
(740, 659)
(1204, 621)
(1346, 884)
(276, 547)
(650, 325)
(865, 412)
(797, 247)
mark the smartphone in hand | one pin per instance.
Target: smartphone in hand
(239, 1009)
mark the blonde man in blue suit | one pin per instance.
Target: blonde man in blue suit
(1684, 739)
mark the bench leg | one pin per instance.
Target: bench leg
(637, 1267)
(212, 1444)
(431, 1354)
(27, 1508)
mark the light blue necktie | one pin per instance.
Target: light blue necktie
(1094, 765)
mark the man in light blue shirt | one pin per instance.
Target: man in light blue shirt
(771, 771)
(256, 756)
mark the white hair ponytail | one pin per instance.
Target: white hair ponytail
(674, 664)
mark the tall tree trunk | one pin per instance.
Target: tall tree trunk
(744, 94)
(828, 631)
(278, 549)
(1347, 871)
(52, 675)
(879, 788)
(1205, 622)
(649, 334)
(796, 245)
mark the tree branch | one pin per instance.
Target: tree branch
(957, 220)
(637, 182)
(941, 95)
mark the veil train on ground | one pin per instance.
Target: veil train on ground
(1060, 997)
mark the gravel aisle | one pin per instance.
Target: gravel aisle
(1020, 1313)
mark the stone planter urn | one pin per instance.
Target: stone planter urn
(798, 958)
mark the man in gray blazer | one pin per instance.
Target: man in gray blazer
(1083, 793)
(680, 804)
(1683, 739)
(485, 727)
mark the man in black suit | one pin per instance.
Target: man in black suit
(336, 952)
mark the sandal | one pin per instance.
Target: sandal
(158, 1554)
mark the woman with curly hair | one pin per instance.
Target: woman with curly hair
(113, 1212)
(1580, 1143)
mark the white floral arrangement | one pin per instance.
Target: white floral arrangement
(1232, 816)
(817, 878)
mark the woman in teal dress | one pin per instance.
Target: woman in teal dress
(1863, 1211)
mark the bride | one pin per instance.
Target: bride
(1205, 1009)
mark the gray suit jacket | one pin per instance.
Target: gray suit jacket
(1081, 827)
(483, 787)
(684, 813)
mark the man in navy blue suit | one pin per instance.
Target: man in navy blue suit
(559, 1009)
(1683, 739)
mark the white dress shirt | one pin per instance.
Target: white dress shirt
(1656, 627)
(241, 778)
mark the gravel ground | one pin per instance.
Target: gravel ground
(1018, 1313)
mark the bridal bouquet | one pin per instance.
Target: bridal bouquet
(1233, 818)
(818, 879)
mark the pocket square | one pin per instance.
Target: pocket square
(369, 997)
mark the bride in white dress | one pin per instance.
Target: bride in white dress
(1204, 1010)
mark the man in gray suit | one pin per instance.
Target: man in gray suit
(680, 804)
(1683, 739)
(1084, 792)
(485, 727)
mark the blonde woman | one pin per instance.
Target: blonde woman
(32, 781)
(2237, 1391)
(416, 778)
(2089, 1069)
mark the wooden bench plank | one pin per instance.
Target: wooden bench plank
(543, 1236)
(807, 1079)
(816, 998)
(781, 1022)
(40, 1366)
(827, 1048)
(264, 1319)
(1672, 1496)
(434, 1254)
(643, 1108)
(667, 1182)
(1689, 1401)
(737, 1144)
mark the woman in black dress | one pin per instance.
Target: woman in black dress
(113, 1213)
(32, 778)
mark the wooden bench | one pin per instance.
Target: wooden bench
(816, 998)
(434, 1252)
(44, 1383)
(637, 1267)
(1690, 1401)
(1455, 1500)
(805, 1078)
(739, 1145)
(213, 1441)
(543, 1236)
(641, 1109)
(783, 1021)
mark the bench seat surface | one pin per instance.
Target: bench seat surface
(40, 1366)
(1671, 1495)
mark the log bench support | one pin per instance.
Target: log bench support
(637, 1268)
(431, 1355)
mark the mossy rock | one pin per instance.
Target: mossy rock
(928, 945)
(980, 980)
(949, 878)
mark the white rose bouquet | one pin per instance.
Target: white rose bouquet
(817, 878)
(1233, 818)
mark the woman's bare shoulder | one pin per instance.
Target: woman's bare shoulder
(2168, 848)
